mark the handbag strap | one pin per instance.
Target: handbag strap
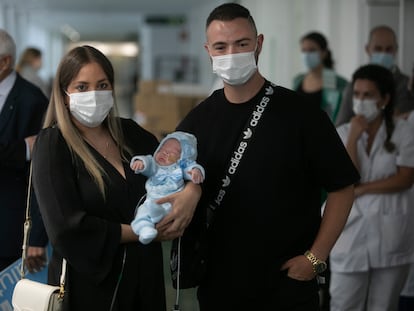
(243, 143)
(27, 227)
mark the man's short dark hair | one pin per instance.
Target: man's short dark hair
(230, 11)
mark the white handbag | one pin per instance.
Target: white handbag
(30, 295)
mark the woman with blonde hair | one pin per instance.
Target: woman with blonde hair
(87, 194)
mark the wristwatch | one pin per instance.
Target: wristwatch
(319, 266)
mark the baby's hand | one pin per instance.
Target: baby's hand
(137, 165)
(196, 176)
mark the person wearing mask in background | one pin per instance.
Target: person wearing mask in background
(266, 241)
(87, 194)
(22, 109)
(370, 260)
(320, 84)
(382, 49)
(28, 67)
(406, 302)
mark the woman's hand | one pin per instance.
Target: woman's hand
(359, 124)
(183, 204)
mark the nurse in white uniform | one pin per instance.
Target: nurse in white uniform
(370, 261)
(407, 294)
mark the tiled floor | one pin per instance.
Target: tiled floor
(188, 300)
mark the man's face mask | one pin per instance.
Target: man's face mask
(235, 69)
(384, 59)
(91, 108)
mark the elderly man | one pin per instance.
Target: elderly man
(22, 107)
(382, 49)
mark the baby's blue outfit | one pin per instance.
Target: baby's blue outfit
(162, 181)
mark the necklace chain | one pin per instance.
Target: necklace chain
(106, 148)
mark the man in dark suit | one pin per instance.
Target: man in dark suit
(22, 109)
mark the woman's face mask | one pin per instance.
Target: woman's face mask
(235, 69)
(366, 107)
(91, 108)
(311, 60)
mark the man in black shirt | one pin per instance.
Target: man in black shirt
(267, 154)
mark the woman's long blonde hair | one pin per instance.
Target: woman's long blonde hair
(58, 112)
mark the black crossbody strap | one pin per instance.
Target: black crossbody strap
(241, 147)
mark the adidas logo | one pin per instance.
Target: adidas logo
(226, 181)
(269, 90)
(247, 133)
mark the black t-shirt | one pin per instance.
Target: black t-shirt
(313, 98)
(272, 210)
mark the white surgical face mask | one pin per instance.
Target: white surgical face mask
(91, 108)
(366, 107)
(311, 60)
(235, 69)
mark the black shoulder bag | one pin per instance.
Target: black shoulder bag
(188, 252)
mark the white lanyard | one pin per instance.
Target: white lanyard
(241, 148)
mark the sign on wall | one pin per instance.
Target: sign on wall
(8, 279)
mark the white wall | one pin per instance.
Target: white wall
(26, 30)
(197, 20)
(407, 36)
(158, 40)
(284, 22)
(155, 41)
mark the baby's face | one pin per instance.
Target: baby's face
(169, 152)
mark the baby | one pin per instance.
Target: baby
(174, 161)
